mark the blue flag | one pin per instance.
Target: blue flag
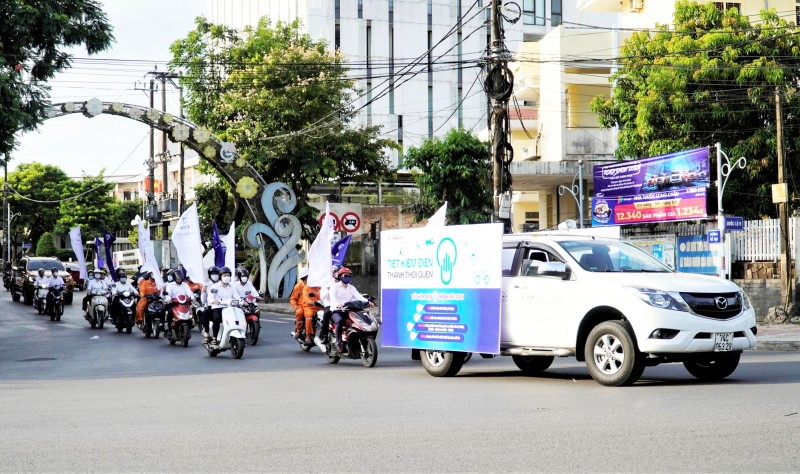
(219, 247)
(108, 240)
(339, 250)
(97, 245)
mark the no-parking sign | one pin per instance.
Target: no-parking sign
(351, 222)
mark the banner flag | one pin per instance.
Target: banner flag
(229, 247)
(339, 250)
(217, 245)
(77, 247)
(319, 254)
(108, 240)
(149, 262)
(189, 244)
(439, 218)
(97, 245)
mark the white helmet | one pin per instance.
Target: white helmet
(302, 273)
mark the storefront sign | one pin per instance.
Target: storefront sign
(676, 205)
(695, 255)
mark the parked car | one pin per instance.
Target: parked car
(25, 273)
(75, 272)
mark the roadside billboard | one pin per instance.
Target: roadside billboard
(668, 187)
(440, 288)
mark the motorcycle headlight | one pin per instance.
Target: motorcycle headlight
(745, 301)
(661, 299)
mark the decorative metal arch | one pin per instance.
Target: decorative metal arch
(270, 213)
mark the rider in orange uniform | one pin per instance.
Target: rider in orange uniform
(310, 295)
(146, 286)
(295, 300)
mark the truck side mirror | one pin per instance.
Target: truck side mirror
(555, 269)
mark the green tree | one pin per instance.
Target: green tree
(33, 37)
(92, 208)
(34, 192)
(455, 169)
(122, 213)
(286, 103)
(711, 78)
(45, 246)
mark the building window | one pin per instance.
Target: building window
(391, 11)
(337, 9)
(555, 13)
(360, 9)
(126, 195)
(337, 36)
(430, 111)
(725, 6)
(391, 68)
(797, 15)
(400, 141)
(533, 12)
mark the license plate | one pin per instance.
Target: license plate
(723, 341)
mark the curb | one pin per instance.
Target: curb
(778, 346)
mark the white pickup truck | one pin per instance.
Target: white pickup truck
(614, 306)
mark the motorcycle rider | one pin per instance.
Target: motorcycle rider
(54, 280)
(42, 279)
(243, 283)
(146, 286)
(97, 284)
(117, 289)
(311, 294)
(174, 288)
(224, 291)
(294, 300)
(205, 311)
(340, 294)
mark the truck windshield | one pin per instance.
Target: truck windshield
(612, 256)
(34, 265)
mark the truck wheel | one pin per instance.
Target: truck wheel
(715, 367)
(611, 355)
(532, 365)
(14, 294)
(442, 363)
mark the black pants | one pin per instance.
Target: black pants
(168, 314)
(326, 319)
(214, 317)
(338, 317)
(86, 300)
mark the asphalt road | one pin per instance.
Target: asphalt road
(76, 399)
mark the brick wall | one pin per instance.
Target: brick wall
(392, 216)
(763, 293)
(756, 270)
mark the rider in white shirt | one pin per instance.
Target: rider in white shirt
(217, 294)
(117, 289)
(340, 294)
(96, 285)
(243, 283)
(174, 288)
(42, 279)
(53, 281)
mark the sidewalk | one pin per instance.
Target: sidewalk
(775, 337)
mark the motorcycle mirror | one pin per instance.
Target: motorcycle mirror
(312, 294)
(247, 292)
(214, 290)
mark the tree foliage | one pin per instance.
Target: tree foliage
(33, 37)
(45, 246)
(711, 78)
(34, 191)
(455, 169)
(284, 100)
(93, 209)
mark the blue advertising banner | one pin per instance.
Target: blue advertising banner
(734, 223)
(441, 288)
(673, 171)
(695, 255)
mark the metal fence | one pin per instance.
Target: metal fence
(760, 240)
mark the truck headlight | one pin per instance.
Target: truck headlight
(745, 301)
(661, 299)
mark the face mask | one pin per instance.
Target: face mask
(91, 277)
(214, 278)
(169, 278)
(123, 280)
(243, 280)
(226, 279)
(97, 277)
(54, 273)
(345, 279)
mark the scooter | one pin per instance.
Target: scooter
(40, 298)
(197, 310)
(124, 308)
(56, 308)
(153, 313)
(359, 330)
(300, 337)
(182, 322)
(97, 311)
(253, 316)
(7, 279)
(231, 331)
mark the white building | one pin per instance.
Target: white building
(380, 38)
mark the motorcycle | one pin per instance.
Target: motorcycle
(56, 308)
(197, 310)
(97, 311)
(300, 337)
(182, 322)
(40, 298)
(124, 309)
(7, 279)
(253, 316)
(231, 331)
(153, 313)
(359, 330)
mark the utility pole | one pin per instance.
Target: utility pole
(151, 166)
(498, 84)
(181, 172)
(164, 159)
(786, 277)
(6, 211)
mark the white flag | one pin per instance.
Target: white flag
(149, 262)
(319, 254)
(77, 247)
(438, 219)
(189, 244)
(229, 241)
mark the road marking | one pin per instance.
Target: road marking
(35, 328)
(276, 321)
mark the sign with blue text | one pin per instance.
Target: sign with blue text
(714, 236)
(440, 288)
(695, 255)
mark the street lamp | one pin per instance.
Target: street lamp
(577, 192)
(8, 233)
(723, 173)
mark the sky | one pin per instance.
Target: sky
(144, 30)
